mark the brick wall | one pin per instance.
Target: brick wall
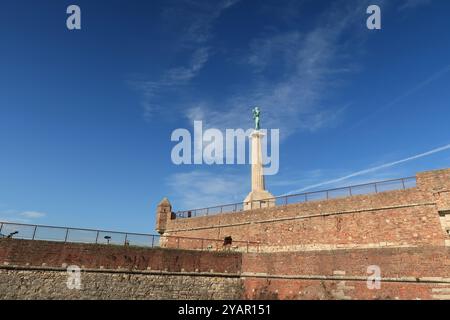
(304, 289)
(393, 262)
(55, 254)
(439, 186)
(314, 250)
(389, 219)
(406, 273)
(37, 269)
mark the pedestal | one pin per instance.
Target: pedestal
(258, 197)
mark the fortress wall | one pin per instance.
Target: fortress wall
(36, 270)
(395, 263)
(440, 187)
(406, 273)
(92, 256)
(46, 283)
(321, 289)
(389, 219)
(316, 250)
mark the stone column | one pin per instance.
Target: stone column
(257, 166)
(259, 197)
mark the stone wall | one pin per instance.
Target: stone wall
(402, 218)
(48, 283)
(38, 270)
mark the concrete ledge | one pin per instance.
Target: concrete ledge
(123, 271)
(329, 247)
(346, 278)
(335, 277)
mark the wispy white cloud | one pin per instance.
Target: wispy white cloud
(195, 19)
(371, 170)
(199, 17)
(172, 79)
(309, 64)
(32, 214)
(412, 4)
(21, 216)
(309, 67)
(180, 75)
(199, 188)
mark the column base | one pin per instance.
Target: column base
(259, 199)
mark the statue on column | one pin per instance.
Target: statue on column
(258, 197)
(256, 117)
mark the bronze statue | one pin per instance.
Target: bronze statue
(256, 117)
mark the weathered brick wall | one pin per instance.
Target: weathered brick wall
(314, 250)
(406, 273)
(389, 219)
(434, 181)
(55, 254)
(439, 186)
(37, 269)
(323, 289)
(393, 262)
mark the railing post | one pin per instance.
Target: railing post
(221, 209)
(327, 195)
(153, 241)
(285, 200)
(34, 232)
(350, 191)
(96, 238)
(126, 236)
(376, 189)
(67, 234)
(1, 227)
(403, 183)
(235, 207)
(207, 211)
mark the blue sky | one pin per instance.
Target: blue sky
(86, 116)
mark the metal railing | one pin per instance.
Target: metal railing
(92, 236)
(367, 188)
(76, 235)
